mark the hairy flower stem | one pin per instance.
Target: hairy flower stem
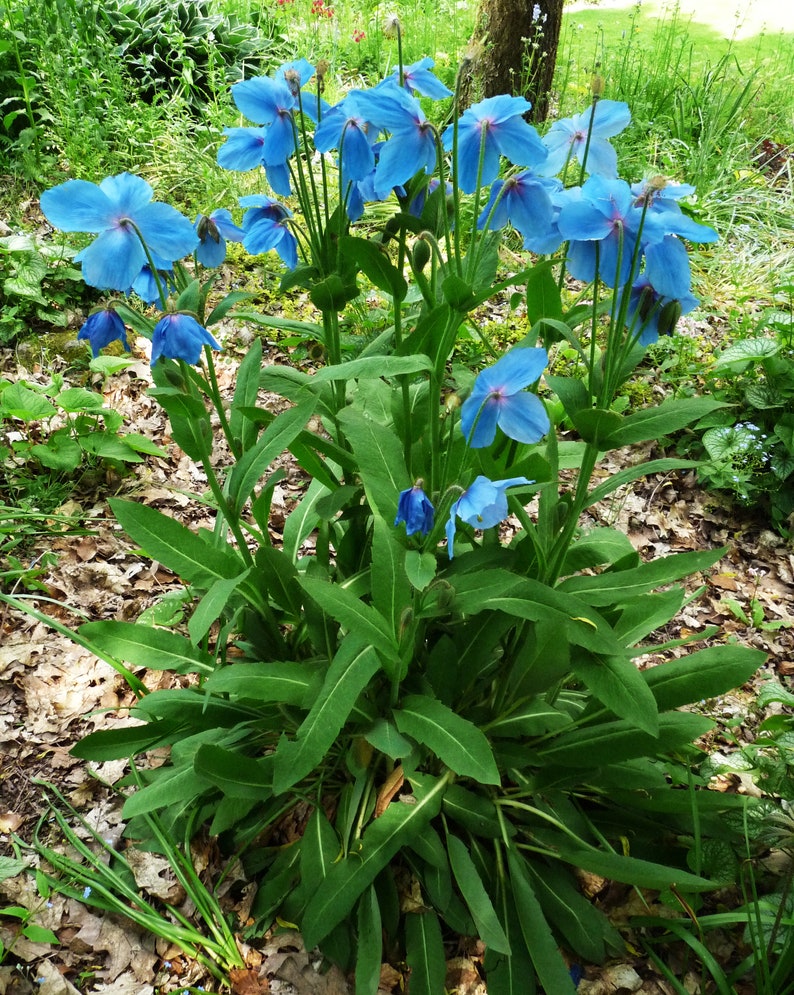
(217, 402)
(155, 275)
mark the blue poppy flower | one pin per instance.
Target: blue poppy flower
(499, 398)
(111, 209)
(660, 296)
(497, 122)
(180, 336)
(103, 327)
(270, 102)
(605, 212)
(213, 230)
(418, 79)
(568, 139)
(265, 228)
(482, 506)
(660, 199)
(411, 147)
(414, 508)
(346, 127)
(145, 285)
(526, 201)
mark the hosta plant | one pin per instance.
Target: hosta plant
(417, 708)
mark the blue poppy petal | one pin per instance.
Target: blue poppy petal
(523, 418)
(113, 259)
(77, 205)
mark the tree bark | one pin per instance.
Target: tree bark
(514, 50)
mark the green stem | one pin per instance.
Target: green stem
(217, 402)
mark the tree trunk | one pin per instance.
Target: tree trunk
(514, 50)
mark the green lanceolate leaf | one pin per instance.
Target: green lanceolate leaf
(543, 296)
(252, 466)
(288, 682)
(236, 774)
(534, 719)
(142, 646)
(192, 557)
(424, 951)
(662, 419)
(702, 675)
(349, 673)
(364, 621)
(381, 460)
(457, 742)
(513, 975)
(612, 742)
(630, 870)
(373, 261)
(246, 391)
(349, 877)
(617, 683)
(615, 586)
(391, 593)
(546, 957)
(476, 897)
(369, 946)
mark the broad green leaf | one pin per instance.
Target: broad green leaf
(321, 847)
(172, 786)
(11, 866)
(420, 568)
(236, 774)
(155, 649)
(702, 675)
(290, 682)
(473, 811)
(457, 742)
(107, 445)
(611, 742)
(584, 926)
(543, 294)
(383, 736)
(349, 673)
(253, 464)
(360, 619)
(59, 452)
(369, 945)
(644, 615)
(212, 605)
(474, 894)
(39, 934)
(513, 975)
(302, 520)
(373, 261)
(190, 423)
(534, 601)
(120, 744)
(223, 307)
(748, 351)
(350, 877)
(190, 556)
(597, 426)
(424, 952)
(20, 402)
(374, 368)
(617, 683)
(76, 399)
(573, 393)
(543, 950)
